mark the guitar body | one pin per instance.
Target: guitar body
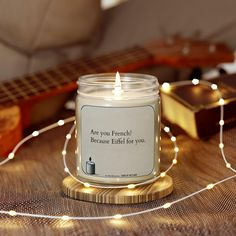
(10, 128)
(14, 119)
(30, 99)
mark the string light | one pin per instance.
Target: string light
(65, 217)
(165, 87)
(195, 81)
(35, 133)
(11, 155)
(173, 138)
(174, 161)
(87, 185)
(176, 149)
(60, 122)
(116, 186)
(117, 216)
(221, 122)
(12, 213)
(163, 174)
(63, 152)
(228, 165)
(221, 145)
(130, 186)
(167, 129)
(167, 205)
(214, 86)
(210, 186)
(221, 101)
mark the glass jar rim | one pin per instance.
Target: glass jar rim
(107, 80)
(133, 86)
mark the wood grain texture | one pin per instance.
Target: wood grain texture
(150, 192)
(10, 128)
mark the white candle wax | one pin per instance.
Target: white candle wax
(118, 131)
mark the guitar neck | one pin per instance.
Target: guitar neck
(63, 77)
(177, 53)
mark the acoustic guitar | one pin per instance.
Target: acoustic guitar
(20, 96)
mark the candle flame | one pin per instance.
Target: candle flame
(118, 90)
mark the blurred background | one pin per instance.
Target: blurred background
(35, 35)
(46, 45)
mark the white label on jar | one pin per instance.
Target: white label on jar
(117, 142)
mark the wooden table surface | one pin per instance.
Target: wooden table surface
(32, 183)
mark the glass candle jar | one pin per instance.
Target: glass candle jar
(118, 128)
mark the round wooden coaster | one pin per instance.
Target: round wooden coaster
(159, 189)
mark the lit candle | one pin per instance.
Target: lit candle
(90, 167)
(118, 128)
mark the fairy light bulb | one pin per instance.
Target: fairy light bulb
(174, 161)
(63, 152)
(221, 122)
(214, 87)
(195, 81)
(167, 129)
(12, 213)
(221, 101)
(228, 165)
(176, 149)
(130, 186)
(163, 174)
(210, 186)
(35, 133)
(117, 216)
(65, 217)
(68, 136)
(166, 205)
(86, 185)
(221, 145)
(61, 122)
(173, 138)
(66, 169)
(11, 155)
(165, 87)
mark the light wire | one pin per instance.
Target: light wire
(165, 87)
